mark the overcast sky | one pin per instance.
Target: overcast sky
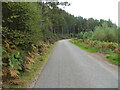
(97, 9)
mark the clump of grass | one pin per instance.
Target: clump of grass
(113, 58)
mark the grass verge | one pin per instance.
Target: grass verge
(26, 77)
(112, 57)
(84, 47)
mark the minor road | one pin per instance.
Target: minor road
(71, 67)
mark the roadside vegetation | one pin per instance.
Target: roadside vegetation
(30, 29)
(27, 78)
(103, 39)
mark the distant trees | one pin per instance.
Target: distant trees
(35, 22)
(102, 33)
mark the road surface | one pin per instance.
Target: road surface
(71, 67)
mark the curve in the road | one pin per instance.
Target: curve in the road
(70, 67)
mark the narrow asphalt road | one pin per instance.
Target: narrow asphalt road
(70, 67)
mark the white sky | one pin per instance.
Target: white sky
(97, 9)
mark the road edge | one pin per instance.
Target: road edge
(33, 82)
